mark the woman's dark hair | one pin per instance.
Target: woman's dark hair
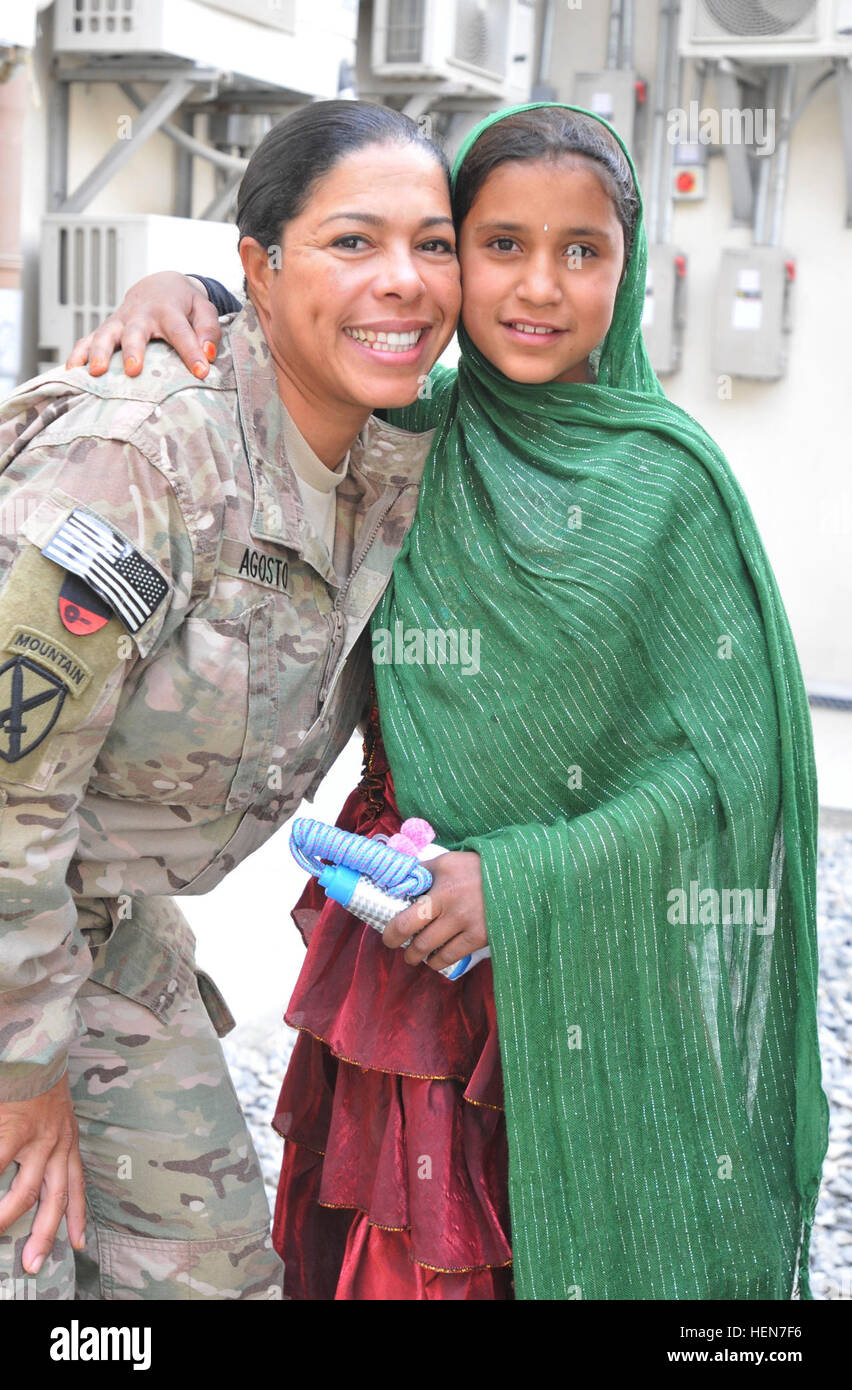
(295, 154)
(549, 132)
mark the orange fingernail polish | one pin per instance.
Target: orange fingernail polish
(210, 350)
(131, 363)
(200, 369)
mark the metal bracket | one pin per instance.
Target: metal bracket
(149, 120)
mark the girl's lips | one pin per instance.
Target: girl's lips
(403, 359)
(542, 339)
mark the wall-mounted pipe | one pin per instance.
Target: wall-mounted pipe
(627, 26)
(660, 88)
(614, 37)
(782, 154)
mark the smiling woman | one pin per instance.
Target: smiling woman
(357, 292)
(184, 655)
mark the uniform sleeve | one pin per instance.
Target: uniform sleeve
(221, 298)
(95, 569)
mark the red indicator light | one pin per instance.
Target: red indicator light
(641, 91)
(790, 267)
(680, 265)
(685, 182)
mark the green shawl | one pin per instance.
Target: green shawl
(631, 756)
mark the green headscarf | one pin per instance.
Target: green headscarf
(631, 756)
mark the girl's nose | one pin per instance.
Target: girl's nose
(540, 283)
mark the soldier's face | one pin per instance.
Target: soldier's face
(367, 293)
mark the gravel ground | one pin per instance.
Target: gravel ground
(258, 1054)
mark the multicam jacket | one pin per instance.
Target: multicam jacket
(180, 661)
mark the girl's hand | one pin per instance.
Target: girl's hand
(166, 305)
(449, 919)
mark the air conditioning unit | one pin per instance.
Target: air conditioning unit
(481, 47)
(88, 263)
(766, 31)
(297, 45)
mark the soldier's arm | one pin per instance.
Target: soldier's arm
(94, 559)
(165, 305)
(87, 582)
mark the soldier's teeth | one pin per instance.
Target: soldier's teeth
(386, 342)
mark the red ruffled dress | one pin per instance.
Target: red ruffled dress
(394, 1182)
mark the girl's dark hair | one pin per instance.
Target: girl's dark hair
(549, 132)
(298, 151)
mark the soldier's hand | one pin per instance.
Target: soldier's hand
(165, 305)
(41, 1136)
(449, 919)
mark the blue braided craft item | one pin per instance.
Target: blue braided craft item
(314, 844)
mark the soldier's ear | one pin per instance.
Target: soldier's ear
(259, 268)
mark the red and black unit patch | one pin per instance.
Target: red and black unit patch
(131, 586)
(82, 610)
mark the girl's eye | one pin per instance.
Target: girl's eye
(578, 252)
(503, 243)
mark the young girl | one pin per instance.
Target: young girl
(632, 764)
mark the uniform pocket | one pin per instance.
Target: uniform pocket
(196, 724)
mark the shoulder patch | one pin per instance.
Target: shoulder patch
(110, 565)
(31, 699)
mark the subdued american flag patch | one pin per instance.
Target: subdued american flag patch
(125, 580)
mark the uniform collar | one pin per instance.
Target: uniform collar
(381, 457)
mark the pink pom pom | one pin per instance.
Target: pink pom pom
(418, 831)
(402, 843)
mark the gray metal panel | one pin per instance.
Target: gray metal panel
(610, 93)
(665, 304)
(753, 313)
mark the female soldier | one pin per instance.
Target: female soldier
(181, 612)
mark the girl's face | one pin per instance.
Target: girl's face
(365, 293)
(541, 249)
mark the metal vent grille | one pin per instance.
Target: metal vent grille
(482, 34)
(406, 19)
(87, 274)
(104, 16)
(760, 18)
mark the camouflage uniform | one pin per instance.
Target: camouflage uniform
(180, 663)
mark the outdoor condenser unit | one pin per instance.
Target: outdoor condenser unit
(481, 47)
(293, 44)
(766, 31)
(87, 264)
(753, 313)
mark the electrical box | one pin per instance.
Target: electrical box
(689, 173)
(610, 93)
(664, 313)
(88, 263)
(297, 45)
(753, 313)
